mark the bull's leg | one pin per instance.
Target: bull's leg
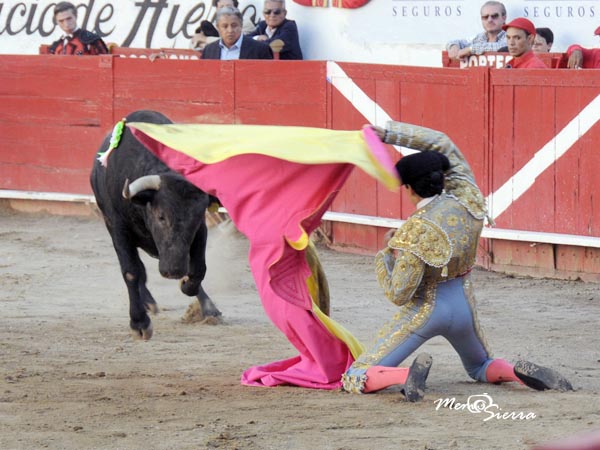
(134, 274)
(145, 295)
(192, 285)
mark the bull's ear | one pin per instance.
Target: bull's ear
(143, 197)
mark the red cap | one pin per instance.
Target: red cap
(521, 23)
(597, 32)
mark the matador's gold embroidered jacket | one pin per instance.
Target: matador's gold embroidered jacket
(439, 241)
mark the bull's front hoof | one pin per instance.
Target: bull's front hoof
(142, 333)
(194, 314)
(189, 287)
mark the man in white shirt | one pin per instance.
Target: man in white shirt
(233, 44)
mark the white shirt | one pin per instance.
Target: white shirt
(228, 54)
(426, 201)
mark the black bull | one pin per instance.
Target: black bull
(147, 205)
(159, 212)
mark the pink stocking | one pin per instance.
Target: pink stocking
(501, 371)
(380, 377)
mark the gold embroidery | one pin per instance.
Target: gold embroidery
(424, 239)
(467, 195)
(470, 294)
(354, 383)
(412, 316)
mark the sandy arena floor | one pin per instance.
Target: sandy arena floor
(73, 378)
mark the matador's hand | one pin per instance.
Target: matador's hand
(388, 236)
(380, 132)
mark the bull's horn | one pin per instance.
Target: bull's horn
(141, 184)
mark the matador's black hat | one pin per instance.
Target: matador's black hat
(415, 166)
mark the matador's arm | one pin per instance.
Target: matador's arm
(399, 276)
(459, 179)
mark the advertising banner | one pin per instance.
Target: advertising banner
(408, 32)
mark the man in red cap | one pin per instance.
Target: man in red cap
(586, 58)
(520, 35)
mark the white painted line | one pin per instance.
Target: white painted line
(383, 222)
(491, 233)
(522, 180)
(371, 111)
(47, 196)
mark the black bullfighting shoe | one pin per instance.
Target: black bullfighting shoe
(541, 378)
(414, 388)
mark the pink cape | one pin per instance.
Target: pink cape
(274, 202)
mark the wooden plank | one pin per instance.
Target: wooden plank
(577, 181)
(534, 210)
(280, 93)
(51, 129)
(524, 254)
(501, 144)
(196, 91)
(35, 177)
(62, 146)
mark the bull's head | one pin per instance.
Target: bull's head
(173, 213)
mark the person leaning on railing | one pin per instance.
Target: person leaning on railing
(584, 58)
(493, 38)
(276, 26)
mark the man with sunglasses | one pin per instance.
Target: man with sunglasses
(493, 17)
(276, 26)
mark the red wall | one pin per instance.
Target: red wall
(55, 111)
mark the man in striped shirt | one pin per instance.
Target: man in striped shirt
(493, 17)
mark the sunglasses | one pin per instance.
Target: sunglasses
(493, 16)
(275, 12)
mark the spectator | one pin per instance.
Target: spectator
(520, 34)
(233, 44)
(586, 58)
(277, 26)
(203, 35)
(206, 32)
(493, 16)
(75, 41)
(544, 38)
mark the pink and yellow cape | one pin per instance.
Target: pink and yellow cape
(276, 183)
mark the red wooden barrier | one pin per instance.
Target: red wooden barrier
(419, 95)
(511, 125)
(542, 122)
(55, 109)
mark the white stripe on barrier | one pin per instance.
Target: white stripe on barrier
(518, 184)
(383, 222)
(491, 233)
(372, 112)
(523, 179)
(48, 196)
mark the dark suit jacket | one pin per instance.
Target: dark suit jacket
(288, 33)
(251, 49)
